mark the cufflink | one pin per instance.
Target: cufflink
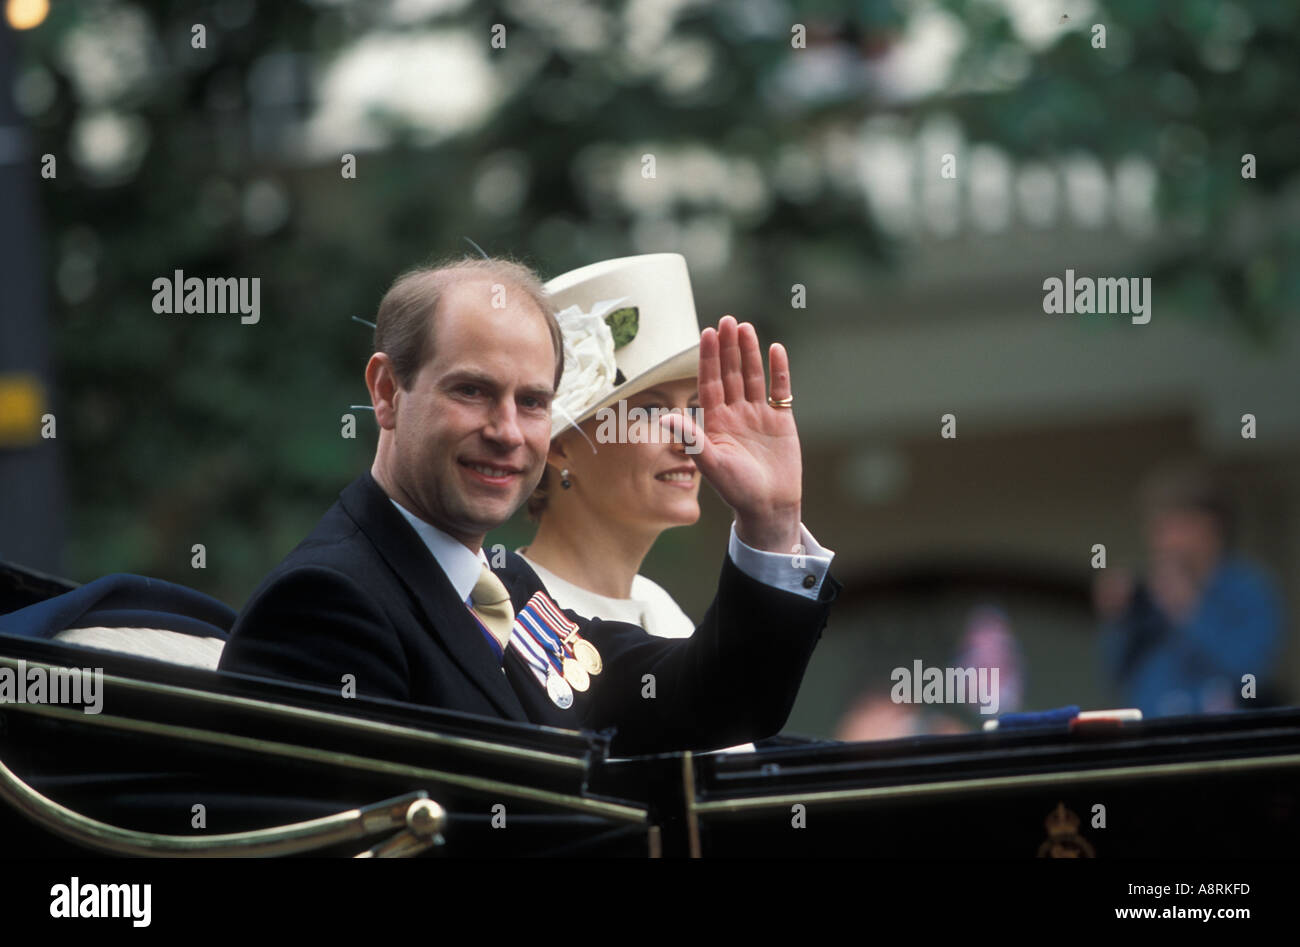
(809, 580)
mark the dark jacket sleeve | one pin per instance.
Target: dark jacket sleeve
(733, 681)
(315, 624)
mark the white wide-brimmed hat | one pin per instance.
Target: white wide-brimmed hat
(628, 325)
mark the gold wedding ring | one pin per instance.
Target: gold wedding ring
(782, 403)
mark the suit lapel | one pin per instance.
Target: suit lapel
(444, 614)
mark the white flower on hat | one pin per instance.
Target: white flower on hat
(589, 367)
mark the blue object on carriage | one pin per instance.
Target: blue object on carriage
(1041, 718)
(122, 600)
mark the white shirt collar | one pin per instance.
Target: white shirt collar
(461, 566)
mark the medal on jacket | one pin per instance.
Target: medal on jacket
(558, 689)
(548, 641)
(538, 661)
(585, 653)
(551, 646)
(582, 650)
(576, 674)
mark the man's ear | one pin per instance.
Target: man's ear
(381, 381)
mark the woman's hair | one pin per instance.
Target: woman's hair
(538, 499)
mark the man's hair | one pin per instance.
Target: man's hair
(404, 327)
(1188, 487)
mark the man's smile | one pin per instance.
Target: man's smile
(494, 474)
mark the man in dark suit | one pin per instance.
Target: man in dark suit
(393, 586)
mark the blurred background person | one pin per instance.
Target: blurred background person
(989, 642)
(1179, 638)
(875, 716)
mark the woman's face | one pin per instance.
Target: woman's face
(650, 484)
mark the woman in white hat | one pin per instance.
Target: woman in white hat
(615, 479)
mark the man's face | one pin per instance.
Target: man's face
(1186, 538)
(471, 434)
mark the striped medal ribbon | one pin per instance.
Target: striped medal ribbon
(537, 649)
(574, 647)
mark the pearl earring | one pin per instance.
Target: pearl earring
(565, 482)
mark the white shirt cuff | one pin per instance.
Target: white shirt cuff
(801, 572)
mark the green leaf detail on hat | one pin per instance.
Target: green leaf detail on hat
(623, 324)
